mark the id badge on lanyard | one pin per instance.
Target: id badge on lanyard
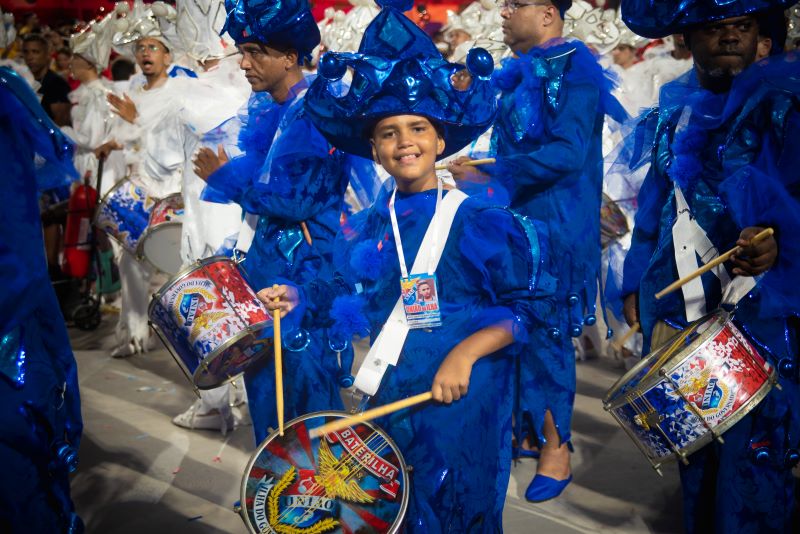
(420, 292)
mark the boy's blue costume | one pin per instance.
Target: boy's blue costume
(488, 271)
(734, 157)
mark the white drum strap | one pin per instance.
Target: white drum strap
(389, 344)
(691, 242)
(247, 231)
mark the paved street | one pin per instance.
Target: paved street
(141, 474)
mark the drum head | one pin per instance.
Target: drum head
(349, 481)
(232, 359)
(161, 246)
(644, 374)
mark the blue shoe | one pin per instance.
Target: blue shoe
(543, 488)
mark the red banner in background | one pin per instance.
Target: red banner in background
(54, 11)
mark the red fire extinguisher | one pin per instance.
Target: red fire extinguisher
(77, 237)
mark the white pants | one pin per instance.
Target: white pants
(135, 278)
(222, 398)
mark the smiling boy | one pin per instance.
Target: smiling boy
(478, 257)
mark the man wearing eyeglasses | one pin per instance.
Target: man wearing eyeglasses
(547, 135)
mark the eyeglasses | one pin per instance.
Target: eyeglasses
(140, 49)
(512, 6)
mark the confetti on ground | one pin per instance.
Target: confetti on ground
(126, 375)
(218, 457)
(176, 470)
(148, 388)
(195, 518)
(141, 436)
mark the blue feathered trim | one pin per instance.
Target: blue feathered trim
(686, 166)
(537, 79)
(349, 318)
(371, 258)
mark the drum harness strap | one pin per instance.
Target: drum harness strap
(389, 344)
(691, 241)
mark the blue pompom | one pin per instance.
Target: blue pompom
(331, 67)
(400, 5)
(369, 261)
(480, 63)
(348, 317)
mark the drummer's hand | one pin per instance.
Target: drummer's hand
(630, 309)
(206, 162)
(288, 298)
(106, 148)
(124, 107)
(452, 379)
(467, 173)
(754, 259)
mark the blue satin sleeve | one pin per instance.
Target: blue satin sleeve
(288, 186)
(567, 145)
(509, 256)
(757, 195)
(229, 182)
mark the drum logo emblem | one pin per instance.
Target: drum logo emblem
(188, 307)
(712, 395)
(714, 400)
(305, 501)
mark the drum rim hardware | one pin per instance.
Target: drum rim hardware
(613, 400)
(247, 330)
(241, 507)
(140, 255)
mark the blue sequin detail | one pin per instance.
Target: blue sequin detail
(12, 357)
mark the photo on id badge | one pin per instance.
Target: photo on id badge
(421, 301)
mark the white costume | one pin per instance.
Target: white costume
(153, 147)
(93, 122)
(215, 97)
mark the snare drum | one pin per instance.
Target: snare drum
(160, 244)
(691, 389)
(351, 480)
(212, 320)
(124, 213)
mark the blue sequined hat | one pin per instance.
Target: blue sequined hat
(398, 71)
(279, 22)
(659, 18)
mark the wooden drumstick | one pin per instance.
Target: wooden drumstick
(470, 163)
(306, 233)
(629, 334)
(713, 263)
(276, 321)
(369, 415)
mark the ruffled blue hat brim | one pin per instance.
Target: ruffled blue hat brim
(660, 18)
(398, 71)
(282, 22)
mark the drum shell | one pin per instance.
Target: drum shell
(721, 377)
(212, 320)
(160, 242)
(276, 454)
(124, 213)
